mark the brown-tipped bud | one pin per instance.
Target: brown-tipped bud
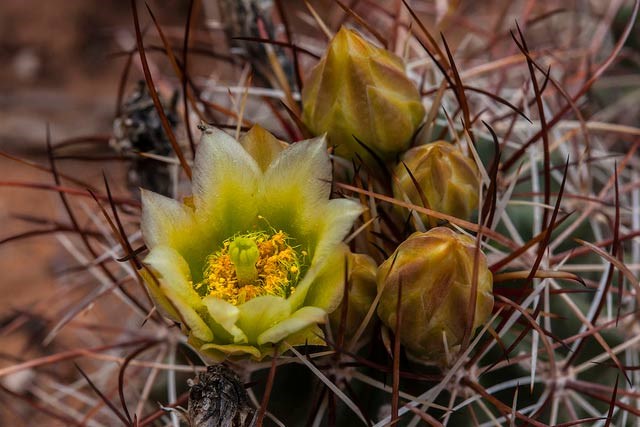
(362, 293)
(362, 91)
(447, 179)
(435, 270)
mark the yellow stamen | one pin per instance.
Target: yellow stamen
(252, 265)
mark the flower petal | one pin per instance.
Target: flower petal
(173, 273)
(261, 313)
(262, 145)
(221, 351)
(226, 315)
(225, 185)
(299, 320)
(336, 219)
(164, 220)
(167, 222)
(327, 289)
(296, 185)
(311, 335)
(159, 299)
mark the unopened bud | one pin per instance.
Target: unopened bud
(435, 270)
(359, 90)
(448, 179)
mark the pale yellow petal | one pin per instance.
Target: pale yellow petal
(296, 185)
(260, 314)
(221, 352)
(298, 321)
(153, 287)
(226, 315)
(262, 145)
(334, 222)
(164, 220)
(225, 186)
(337, 218)
(327, 289)
(173, 273)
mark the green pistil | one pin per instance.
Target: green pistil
(244, 253)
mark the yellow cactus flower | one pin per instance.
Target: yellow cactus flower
(255, 256)
(435, 270)
(360, 90)
(448, 179)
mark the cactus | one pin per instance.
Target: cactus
(376, 275)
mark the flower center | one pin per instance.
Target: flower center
(250, 265)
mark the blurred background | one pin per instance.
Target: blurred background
(61, 68)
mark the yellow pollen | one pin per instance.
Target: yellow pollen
(278, 267)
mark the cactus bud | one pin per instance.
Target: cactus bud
(448, 179)
(435, 270)
(362, 293)
(360, 90)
